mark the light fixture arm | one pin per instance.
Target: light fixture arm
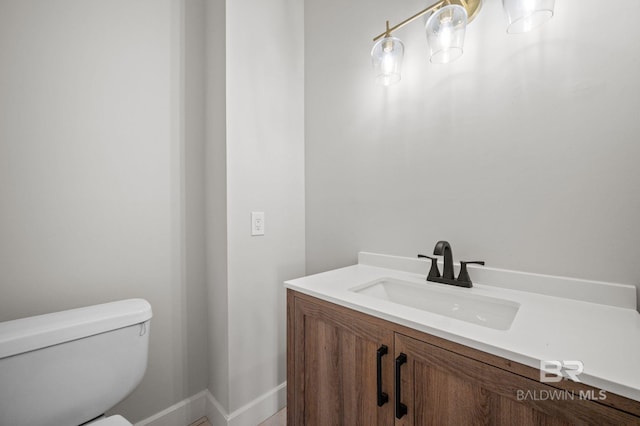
(388, 32)
(471, 6)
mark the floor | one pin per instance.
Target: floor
(278, 419)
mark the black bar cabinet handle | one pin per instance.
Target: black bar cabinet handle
(401, 409)
(383, 398)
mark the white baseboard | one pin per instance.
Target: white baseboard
(203, 404)
(183, 413)
(250, 414)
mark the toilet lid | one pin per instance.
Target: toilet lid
(112, 421)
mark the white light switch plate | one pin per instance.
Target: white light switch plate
(257, 223)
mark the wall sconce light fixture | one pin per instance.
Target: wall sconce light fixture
(445, 28)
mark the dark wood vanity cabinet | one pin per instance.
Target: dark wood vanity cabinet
(332, 366)
(445, 388)
(339, 373)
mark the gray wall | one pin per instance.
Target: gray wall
(523, 153)
(216, 199)
(95, 201)
(135, 140)
(254, 156)
(264, 172)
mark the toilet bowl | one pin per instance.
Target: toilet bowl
(67, 368)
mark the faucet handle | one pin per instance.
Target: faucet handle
(433, 272)
(463, 276)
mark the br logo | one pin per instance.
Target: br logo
(554, 371)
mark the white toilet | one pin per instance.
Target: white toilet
(68, 368)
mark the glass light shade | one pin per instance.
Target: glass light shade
(445, 33)
(525, 15)
(386, 58)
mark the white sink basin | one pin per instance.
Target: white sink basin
(455, 302)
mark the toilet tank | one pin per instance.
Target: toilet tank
(69, 367)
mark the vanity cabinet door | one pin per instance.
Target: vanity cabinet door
(440, 387)
(334, 355)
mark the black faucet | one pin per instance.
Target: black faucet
(443, 248)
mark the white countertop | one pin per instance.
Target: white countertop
(559, 318)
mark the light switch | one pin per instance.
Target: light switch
(257, 223)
